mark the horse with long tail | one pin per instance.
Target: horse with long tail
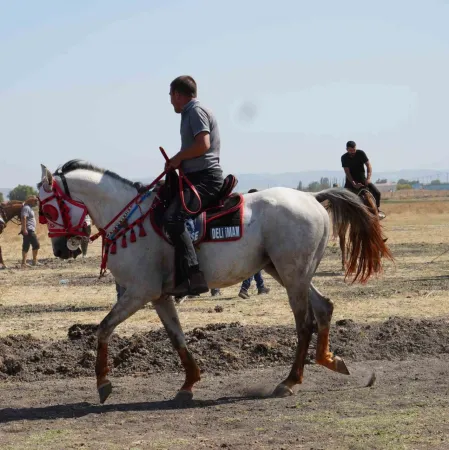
(281, 230)
(9, 211)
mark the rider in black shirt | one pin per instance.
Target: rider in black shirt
(353, 162)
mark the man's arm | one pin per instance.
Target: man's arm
(369, 171)
(351, 180)
(348, 175)
(199, 147)
(200, 125)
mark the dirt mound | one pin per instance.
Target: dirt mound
(217, 348)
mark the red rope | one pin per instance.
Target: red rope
(102, 231)
(181, 187)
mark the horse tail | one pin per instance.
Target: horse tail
(366, 246)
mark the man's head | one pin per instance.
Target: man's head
(182, 91)
(351, 147)
(32, 201)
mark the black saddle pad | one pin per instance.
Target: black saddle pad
(217, 224)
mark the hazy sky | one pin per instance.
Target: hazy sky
(289, 81)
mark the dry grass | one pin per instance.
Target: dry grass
(33, 301)
(412, 194)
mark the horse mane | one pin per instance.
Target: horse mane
(79, 164)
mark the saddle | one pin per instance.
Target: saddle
(221, 221)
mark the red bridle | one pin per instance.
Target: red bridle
(64, 216)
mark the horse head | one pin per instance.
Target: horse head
(63, 216)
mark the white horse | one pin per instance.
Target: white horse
(285, 233)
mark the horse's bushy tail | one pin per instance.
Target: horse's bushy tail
(365, 247)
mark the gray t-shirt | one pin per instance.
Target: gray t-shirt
(28, 212)
(195, 118)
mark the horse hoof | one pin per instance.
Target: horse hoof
(340, 366)
(282, 391)
(183, 397)
(104, 391)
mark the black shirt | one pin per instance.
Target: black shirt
(356, 165)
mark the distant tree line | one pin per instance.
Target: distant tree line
(21, 192)
(316, 186)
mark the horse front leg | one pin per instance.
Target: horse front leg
(125, 307)
(166, 311)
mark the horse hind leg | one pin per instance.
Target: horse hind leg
(298, 299)
(322, 309)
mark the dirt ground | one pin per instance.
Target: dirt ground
(395, 327)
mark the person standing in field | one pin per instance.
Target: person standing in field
(28, 231)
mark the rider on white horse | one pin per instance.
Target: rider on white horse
(199, 159)
(353, 162)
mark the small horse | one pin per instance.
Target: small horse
(370, 202)
(285, 233)
(9, 211)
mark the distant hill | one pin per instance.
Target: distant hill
(291, 179)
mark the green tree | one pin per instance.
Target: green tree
(21, 192)
(1, 197)
(325, 183)
(381, 181)
(435, 182)
(401, 187)
(314, 186)
(403, 181)
(299, 188)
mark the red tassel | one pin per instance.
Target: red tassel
(132, 238)
(124, 245)
(113, 248)
(142, 232)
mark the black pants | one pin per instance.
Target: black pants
(30, 239)
(85, 242)
(208, 184)
(373, 189)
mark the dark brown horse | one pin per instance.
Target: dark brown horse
(9, 211)
(370, 202)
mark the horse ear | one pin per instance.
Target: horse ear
(47, 179)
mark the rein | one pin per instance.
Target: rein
(181, 187)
